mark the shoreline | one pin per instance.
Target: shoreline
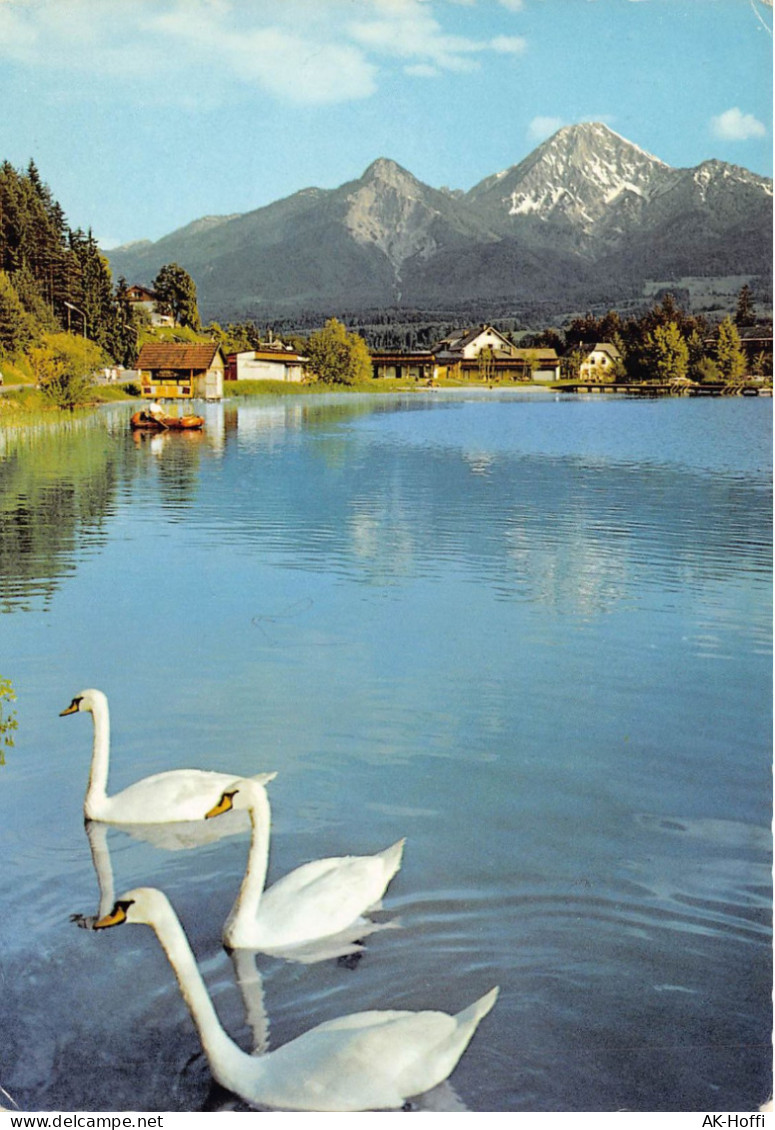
(22, 403)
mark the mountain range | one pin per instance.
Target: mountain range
(587, 217)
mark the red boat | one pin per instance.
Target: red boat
(144, 420)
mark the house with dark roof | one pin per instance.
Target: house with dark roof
(756, 343)
(466, 345)
(173, 369)
(145, 300)
(417, 365)
(486, 353)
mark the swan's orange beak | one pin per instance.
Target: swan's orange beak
(115, 918)
(223, 805)
(72, 709)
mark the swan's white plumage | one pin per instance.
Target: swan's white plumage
(366, 1061)
(324, 899)
(164, 798)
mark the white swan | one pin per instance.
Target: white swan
(250, 983)
(365, 1061)
(164, 798)
(319, 902)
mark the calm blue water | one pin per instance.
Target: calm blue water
(531, 635)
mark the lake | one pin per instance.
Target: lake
(530, 633)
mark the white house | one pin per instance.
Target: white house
(468, 344)
(599, 361)
(269, 363)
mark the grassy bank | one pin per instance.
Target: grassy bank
(16, 403)
(291, 388)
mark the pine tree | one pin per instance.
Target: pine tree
(16, 325)
(745, 315)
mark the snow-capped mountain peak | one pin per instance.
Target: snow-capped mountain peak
(577, 175)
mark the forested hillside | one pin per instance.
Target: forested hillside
(53, 278)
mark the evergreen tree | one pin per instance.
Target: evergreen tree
(95, 307)
(58, 275)
(16, 325)
(744, 315)
(32, 300)
(123, 335)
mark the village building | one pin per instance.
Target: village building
(179, 369)
(483, 353)
(466, 345)
(756, 339)
(271, 362)
(600, 361)
(146, 301)
(536, 364)
(419, 365)
(486, 353)
(756, 343)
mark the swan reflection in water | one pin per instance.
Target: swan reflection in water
(375, 1060)
(181, 836)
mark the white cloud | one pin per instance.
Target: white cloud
(422, 70)
(192, 52)
(734, 125)
(412, 33)
(512, 5)
(188, 52)
(543, 126)
(287, 65)
(509, 44)
(407, 29)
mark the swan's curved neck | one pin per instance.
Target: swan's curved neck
(226, 1059)
(254, 880)
(96, 791)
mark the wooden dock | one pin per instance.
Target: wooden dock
(652, 389)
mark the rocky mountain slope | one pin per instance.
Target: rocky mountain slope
(586, 215)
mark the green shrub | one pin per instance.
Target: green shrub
(64, 366)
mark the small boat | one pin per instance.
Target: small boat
(144, 420)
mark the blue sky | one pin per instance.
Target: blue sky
(142, 115)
